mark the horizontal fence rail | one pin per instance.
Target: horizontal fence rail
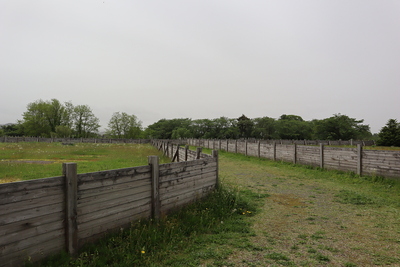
(46, 216)
(384, 163)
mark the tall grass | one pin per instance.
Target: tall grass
(184, 238)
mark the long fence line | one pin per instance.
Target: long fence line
(17, 139)
(358, 160)
(46, 216)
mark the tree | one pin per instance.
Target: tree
(43, 117)
(35, 121)
(86, 124)
(264, 128)
(389, 134)
(225, 128)
(63, 131)
(245, 126)
(341, 127)
(293, 127)
(163, 129)
(122, 125)
(11, 129)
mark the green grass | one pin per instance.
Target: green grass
(25, 161)
(229, 228)
(205, 231)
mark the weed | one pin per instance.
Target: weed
(349, 197)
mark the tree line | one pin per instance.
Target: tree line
(55, 119)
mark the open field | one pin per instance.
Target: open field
(316, 218)
(25, 161)
(267, 214)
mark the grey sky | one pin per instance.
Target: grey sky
(203, 59)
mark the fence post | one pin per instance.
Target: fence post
(259, 148)
(71, 193)
(176, 155)
(215, 155)
(198, 152)
(155, 187)
(359, 159)
(274, 156)
(321, 155)
(245, 144)
(186, 152)
(235, 146)
(227, 145)
(295, 153)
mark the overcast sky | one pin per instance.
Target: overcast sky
(204, 58)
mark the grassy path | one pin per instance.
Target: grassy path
(316, 218)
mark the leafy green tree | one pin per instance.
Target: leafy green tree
(225, 128)
(35, 119)
(63, 131)
(163, 129)
(245, 126)
(181, 133)
(122, 125)
(341, 127)
(12, 129)
(86, 124)
(390, 134)
(42, 117)
(264, 128)
(203, 128)
(292, 127)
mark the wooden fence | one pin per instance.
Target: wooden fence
(361, 161)
(17, 139)
(45, 216)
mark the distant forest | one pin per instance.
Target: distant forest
(55, 119)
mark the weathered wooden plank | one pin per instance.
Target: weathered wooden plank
(31, 213)
(30, 204)
(185, 191)
(114, 194)
(30, 231)
(31, 222)
(194, 183)
(36, 252)
(198, 162)
(96, 232)
(13, 197)
(131, 206)
(132, 171)
(381, 161)
(186, 174)
(88, 228)
(111, 201)
(182, 177)
(177, 171)
(55, 236)
(31, 184)
(86, 195)
(110, 180)
(180, 201)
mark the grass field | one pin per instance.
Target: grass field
(25, 161)
(265, 214)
